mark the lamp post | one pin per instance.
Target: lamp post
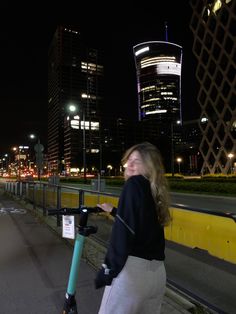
(19, 165)
(179, 160)
(17, 151)
(73, 109)
(230, 155)
(2, 166)
(39, 154)
(172, 150)
(173, 146)
(84, 147)
(109, 167)
(6, 159)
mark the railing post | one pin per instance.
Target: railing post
(15, 188)
(81, 197)
(20, 189)
(34, 192)
(44, 200)
(99, 182)
(26, 190)
(58, 204)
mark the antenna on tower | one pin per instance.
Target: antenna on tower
(166, 31)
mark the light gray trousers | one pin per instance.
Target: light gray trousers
(138, 289)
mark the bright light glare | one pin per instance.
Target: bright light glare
(141, 51)
(72, 108)
(156, 111)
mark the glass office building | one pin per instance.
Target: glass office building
(75, 79)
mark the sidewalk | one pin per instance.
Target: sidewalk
(35, 264)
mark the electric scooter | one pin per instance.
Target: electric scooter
(82, 231)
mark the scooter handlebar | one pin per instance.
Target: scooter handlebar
(73, 211)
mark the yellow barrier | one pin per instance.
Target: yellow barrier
(212, 233)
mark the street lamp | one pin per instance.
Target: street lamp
(17, 153)
(73, 109)
(230, 155)
(178, 122)
(179, 160)
(109, 167)
(6, 158)
(38, 153)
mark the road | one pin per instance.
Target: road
(208, 202)
(197, 201)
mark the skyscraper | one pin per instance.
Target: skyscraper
(213, 25)
(75, 80)
(158, 71)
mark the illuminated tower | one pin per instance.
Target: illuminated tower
(158, 70)
(213, 24)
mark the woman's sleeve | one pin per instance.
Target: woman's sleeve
(123, 232)
(113, 211)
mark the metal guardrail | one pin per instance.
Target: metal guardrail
(46, 195)
(206, 211)
(28, 191)
(193, 227)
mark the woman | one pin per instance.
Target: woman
(133, 270)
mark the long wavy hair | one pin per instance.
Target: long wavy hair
(155, 173)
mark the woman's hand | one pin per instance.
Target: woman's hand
(107, 207)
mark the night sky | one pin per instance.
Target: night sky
(25, 36)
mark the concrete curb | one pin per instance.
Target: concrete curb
(184, 303)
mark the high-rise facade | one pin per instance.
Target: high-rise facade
(75, 80)
(213, 25)
(158, 69)
(158, 72)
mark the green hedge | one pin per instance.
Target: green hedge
(207, 185)
(220, 178)
(201, 186)
(219, 186)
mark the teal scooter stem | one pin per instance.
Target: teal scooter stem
(74, 270)
(83, 231)
(70, 306)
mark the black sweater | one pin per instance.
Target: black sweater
(136, 230)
